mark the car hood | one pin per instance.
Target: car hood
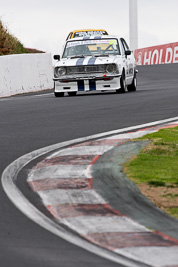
(89, 60)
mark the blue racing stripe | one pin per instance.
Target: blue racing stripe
(91, 61)
(81, 86)
(80, 61)
(92, 85)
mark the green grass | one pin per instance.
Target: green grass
(151, 167)
(173, 212)
(157, 163)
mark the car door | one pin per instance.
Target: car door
(128, 62)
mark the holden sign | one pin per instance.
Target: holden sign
(162, 54)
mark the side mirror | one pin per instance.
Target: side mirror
(127, 52)
(56, 57)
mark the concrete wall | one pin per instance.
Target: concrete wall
(25, 73)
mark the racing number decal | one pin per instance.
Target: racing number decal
(113, 42)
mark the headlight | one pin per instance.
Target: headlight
(110, 68)
(59, 71)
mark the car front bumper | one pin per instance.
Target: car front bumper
(87, 84)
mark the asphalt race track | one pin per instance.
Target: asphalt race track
(34, 121)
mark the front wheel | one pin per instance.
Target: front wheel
(133, 86)
(123, 84)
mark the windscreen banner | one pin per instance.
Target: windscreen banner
(162, 54)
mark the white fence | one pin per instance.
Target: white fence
(25, 73)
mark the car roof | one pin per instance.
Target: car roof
(72, 33)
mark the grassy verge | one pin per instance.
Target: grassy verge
(155, 169)
(9, 44)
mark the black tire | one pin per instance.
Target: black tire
(72, 93)
(58, 94)
(123, 84)
(133, 86)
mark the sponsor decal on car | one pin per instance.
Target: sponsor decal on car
(89, 33)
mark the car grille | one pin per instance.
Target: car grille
(85, 69)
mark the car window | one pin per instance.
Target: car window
(125, 45)
(93, 47)
(122, 49)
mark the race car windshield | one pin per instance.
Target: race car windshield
(101, 47)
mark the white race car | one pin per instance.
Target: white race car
(95, 63)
